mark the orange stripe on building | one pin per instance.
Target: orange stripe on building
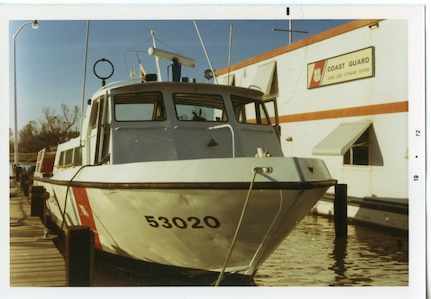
(299, 44)
(348, 112)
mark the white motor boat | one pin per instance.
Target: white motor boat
(185, 176)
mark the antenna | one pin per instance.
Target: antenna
(177, 61)
(290, 30)
(205, 50)
(190, 62)
(83, 84)
(230, 50)
(159, 74)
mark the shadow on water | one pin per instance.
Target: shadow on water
(117, 271)
(312, 256)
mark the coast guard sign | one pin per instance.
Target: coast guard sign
(347, 67)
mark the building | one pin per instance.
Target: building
(342, 96)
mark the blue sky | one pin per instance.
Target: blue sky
(50, 60)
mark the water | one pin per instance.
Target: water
(311, 256)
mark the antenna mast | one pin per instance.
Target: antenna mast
(83, 84)
(230, 50)
(159, 74)
(205, 50)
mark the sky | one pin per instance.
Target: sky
(50, 59)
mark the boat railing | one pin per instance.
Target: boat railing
(229, 126)
(255, 129)
(223, 126)
(141, 128)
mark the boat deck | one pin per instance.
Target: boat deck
(34, 259)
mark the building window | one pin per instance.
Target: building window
(359, 153)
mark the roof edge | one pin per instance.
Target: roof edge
(299, 44)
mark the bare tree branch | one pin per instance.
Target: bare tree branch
(54, 128)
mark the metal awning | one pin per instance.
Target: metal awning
(229, 80)
(264, 76)
(341, 139)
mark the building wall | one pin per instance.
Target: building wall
(386, 180)
(308, 115)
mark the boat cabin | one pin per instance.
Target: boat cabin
(161, 121)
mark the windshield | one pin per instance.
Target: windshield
(199, 107)
(249, 111)
(146, 106)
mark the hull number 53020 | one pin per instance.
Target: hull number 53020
(178, 222)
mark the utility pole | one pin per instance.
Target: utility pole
(290, 30)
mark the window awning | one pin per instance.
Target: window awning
(264, 76)
(341, 139)
(229, 80)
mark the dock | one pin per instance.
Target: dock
(34, 259)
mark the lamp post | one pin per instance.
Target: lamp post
(34, 25)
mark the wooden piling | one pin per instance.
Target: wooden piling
(340, 211)
(37, 201)
(24, 182)
(79, 256)
(18, 171)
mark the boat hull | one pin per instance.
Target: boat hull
(117, 270)
(189, 224)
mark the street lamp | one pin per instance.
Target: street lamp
(34, 25)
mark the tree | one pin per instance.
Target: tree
(51, 130)
(58, 128)
(29, 141)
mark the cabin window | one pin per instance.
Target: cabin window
(93, 115)
(68, 157)
(77, 156)
(71, 157)
(199, 107)
(146, 106)
(249, 111)
(61, 159)
(358, 154)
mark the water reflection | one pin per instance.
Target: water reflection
(339, 254)
(312, 256)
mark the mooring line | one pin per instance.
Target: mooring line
(63, 213)
(235, 236)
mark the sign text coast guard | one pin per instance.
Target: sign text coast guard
(347, 67)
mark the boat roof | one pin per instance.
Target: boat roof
(180, 86)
